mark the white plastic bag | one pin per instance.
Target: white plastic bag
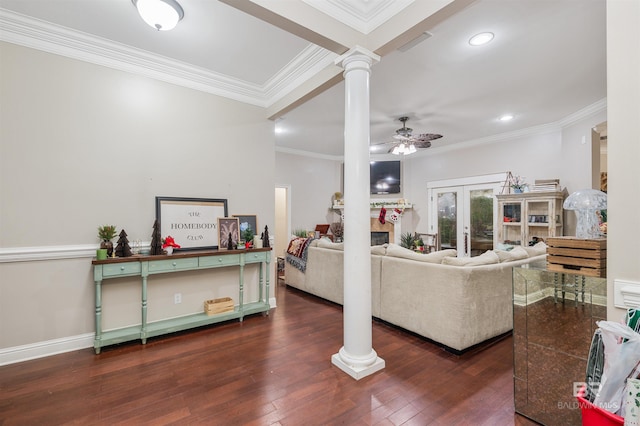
(620, 358)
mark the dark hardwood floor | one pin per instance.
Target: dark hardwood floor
(267, 370)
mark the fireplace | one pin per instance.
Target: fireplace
(379, 238)
(382, 232)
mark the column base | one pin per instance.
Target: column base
(357, 372)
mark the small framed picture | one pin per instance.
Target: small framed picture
(228, 228)
(248, 221)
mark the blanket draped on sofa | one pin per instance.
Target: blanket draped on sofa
(297, 252)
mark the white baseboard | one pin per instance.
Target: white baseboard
(47, 348)
(57, 346)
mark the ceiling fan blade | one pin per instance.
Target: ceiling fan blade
(382, 143)
(427, 137)
(422, 144)
(401, 137)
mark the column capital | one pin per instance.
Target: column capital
(357, 53)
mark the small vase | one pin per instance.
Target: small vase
(169, 250)
(107, 244)
(517, 190)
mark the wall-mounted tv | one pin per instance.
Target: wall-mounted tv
(384, 177)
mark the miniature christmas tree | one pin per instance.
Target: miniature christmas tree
(123, 249)
(265, 237)
(156, 239)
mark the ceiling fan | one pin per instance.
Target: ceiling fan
(405, 143)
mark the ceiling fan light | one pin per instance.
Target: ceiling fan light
(162, 15)
(412, 149)
(396, 150)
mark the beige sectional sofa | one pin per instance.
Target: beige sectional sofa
(456, 302)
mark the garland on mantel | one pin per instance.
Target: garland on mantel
(400, 203)
(398, 207)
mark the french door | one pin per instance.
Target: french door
(463, 213)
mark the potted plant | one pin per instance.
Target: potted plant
(337, 229)
(106, 233)
(518, 184)
(406, 240)
(246, 234)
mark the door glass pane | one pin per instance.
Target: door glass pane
(481, 220)
(447, 219)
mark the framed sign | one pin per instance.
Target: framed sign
(248, 221)
(228, 227)
(192, 222)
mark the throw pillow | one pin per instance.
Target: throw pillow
(330, 244)
(395, 250)
(486, 258)
(380, 250)
(517, 253)
(537, 250)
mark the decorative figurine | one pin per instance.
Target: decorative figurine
(156, 240)
(265, 237)
(230, 242)
(123, 249)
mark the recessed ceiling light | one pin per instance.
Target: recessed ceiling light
(480, 39)
(506, 117)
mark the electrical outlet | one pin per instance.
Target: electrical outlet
(177, 298)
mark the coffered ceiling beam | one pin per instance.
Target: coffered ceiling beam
(299, 18)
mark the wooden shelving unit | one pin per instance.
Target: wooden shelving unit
(529, 217)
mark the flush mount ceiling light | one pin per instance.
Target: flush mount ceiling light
(506, 117)
(162, 15)
(480, 39)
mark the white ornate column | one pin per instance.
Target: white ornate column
(357, 357)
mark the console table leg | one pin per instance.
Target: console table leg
(143, 331)
(268, 271)
(240, 307)
(98, 339)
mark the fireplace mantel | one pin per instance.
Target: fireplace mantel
(378, 204)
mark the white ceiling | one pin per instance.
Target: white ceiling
(547, 60)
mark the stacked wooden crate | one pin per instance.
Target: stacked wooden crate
(573, 255)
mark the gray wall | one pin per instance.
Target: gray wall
(82, 146)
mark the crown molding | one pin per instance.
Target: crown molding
(585, 112)
(362, 15)
(304, 66)
(556, 126)
(41, 35)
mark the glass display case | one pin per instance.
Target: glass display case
(554, 318)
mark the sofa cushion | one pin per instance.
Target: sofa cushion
(380, 250)
(536, 250)
(395, 250)
(516, 253)
(327, 243)
(487, 258)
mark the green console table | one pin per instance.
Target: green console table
(144, 266)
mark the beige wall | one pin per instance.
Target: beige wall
(82, 146)
(312, 182)
(623, 127)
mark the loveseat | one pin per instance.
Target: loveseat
(456, 302)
